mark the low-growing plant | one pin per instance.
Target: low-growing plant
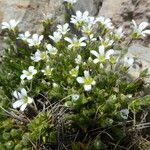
(70, 89)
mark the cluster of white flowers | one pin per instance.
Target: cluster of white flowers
(85, 25)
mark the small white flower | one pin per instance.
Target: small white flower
(75, 97)
(71, 1)
(39, 56)
(52, 50)
(128, 61)
(119, 32)
(55, 85)
(28, 74)
(78, 60)
(87, 29)
(11, 25)
(74, 72)
(124, 113)
(87, 80)
(139, 30)
(47, 71)
(102, 55)
(35, 40)
(106, 42)
(63, 29)
(76, 43)
(91, 20)
(56, 37)
(80, 18)
(22, 99)
(106, 22)
(24, 36)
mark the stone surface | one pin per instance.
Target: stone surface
(142, 54)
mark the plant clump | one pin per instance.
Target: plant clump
(70, 89)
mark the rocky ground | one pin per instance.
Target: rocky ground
(30, 13)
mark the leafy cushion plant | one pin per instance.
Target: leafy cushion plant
(70, 89)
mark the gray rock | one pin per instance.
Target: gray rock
(141, 52)
(143, 57)
(93, 6)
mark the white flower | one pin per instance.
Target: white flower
(87, 29)
(106, 42)
(102, 55)
(75, 97)
(139, 30)
(10, 25)
(124, 113)
(76, 43)
(22, 99)
(52, 50)
(55, 85)
(106, 22)
(39, 56)
(63, 29)
(87, 80)
(91, 20)
(24, 36)
(74, 72)
(56, 37)
(78, 60)
(35, 40)
(128, 61)
(28, 74)
(80, 18)
(119, 32)
(47, 71)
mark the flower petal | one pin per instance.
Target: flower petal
(146, 32)
(96, 61)
(23, 92)
(143, 25)
(30, 100)
(82, 44)
(86, 73)
(87, 87)
(23, 107)
(23, 76)
(101, 50)
(134, 23)
(31, 68)
(80, 80)
(17, 104)
(68, 39)
(108, 53)
(17, 95)
(95, 53)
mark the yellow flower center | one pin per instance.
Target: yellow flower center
(88, 80)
